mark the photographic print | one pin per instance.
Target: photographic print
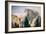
(24, 16)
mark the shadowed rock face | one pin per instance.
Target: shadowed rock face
(31, 19)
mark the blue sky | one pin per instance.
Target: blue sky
(18, 9)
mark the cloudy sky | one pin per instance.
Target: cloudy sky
(19, 10)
